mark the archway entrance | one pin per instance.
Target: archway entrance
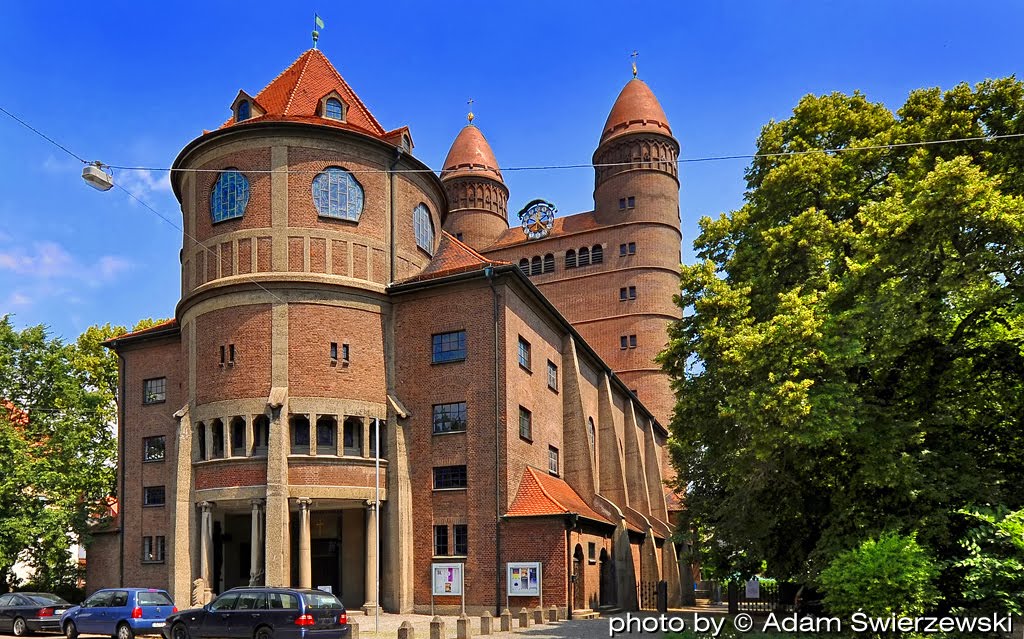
(579, 593)
(607, 595)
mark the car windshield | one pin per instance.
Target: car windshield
(154, 599)
(322, 600)
(45, 599)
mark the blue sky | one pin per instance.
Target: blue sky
(131, 83)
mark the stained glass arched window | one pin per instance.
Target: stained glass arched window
(423, 228)
(333, 109)
(244, 111)
(229, 197)
(337, 194)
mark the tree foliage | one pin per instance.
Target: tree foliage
(851, 356)
(994, 563)
(57, 443)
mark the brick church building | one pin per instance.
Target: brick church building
(333, 285)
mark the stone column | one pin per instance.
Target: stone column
(312, 433)
(206, 546)
(256, 543)
(371, 558)
(209, 440)
(305, 556)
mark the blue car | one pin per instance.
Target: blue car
(120, 613)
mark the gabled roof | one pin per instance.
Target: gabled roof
(450, 258)
(565, 225)
(296, 93)
(541, 494)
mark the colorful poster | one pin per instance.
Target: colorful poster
(447, 579)
(524, 579)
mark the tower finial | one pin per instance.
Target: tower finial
(470, 116)
(634, 55)
(318, 24)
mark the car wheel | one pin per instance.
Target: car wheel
(179, 631)
(19, 628)
(70, 630)
(124, 631)
(263, 632)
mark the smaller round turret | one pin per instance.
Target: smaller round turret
(477, 195)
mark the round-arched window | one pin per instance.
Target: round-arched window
(229, 197)
(244, 111)
(337, 194)
(423, 228)
(333, 109)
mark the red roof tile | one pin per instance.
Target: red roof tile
(450, 258)
(297, 92)
(542, 494)
(565, 225)
(171, 323)
(636, 109)
(471, 156)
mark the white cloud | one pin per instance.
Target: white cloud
(17, 298)
(63, 164)
(48, 261)
(142, 182)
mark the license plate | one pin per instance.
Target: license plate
(57, 613)
(159, 624)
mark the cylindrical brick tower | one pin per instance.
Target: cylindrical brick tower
(297, 213)
(477, 195)
(637, 192)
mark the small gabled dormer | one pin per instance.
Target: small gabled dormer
(333, 107)
(245, 107)
(401, 138)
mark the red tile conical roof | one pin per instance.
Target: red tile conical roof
(296, 93)
(636, 109)
(471, 155)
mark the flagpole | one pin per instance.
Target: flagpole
(376, 529)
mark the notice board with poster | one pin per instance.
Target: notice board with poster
(447, 579)
(524, 579)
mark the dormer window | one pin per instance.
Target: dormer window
(244, 111)
(333, 109)
(406, 144)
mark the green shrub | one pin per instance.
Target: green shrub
(890, 575)
(994, 566)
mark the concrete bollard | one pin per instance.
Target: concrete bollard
(506, 620)
(538, 616)
(552, 614)
(353, 632)
(437, 628)
(485, 622)
(462, 627)
(524, 618)
(406, 631)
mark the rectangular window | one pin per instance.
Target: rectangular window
(622, 203)
(154, 448)
(552, 376)
(344, 353)
(623, 342)
(632, 341)
(449, 347)
(153, 549)
(334, 351)
(446, 477)
(153, 496)
(622, 250)
(622, 294)
(231, 354)
(632, 248)
(632, 292)
(449, 418)
(461, 539)
(630, 202)
(553, 460)
(440, 541)
(154, 390)
(525, 424)
(592, 552)
(524, 353)
(222, 355)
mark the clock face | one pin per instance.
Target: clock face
(538, 219)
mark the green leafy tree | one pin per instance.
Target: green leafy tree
(891, 575)
(994, 565)
(851, 356)
(57, 440)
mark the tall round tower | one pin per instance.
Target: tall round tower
(477, 195)
(637, 193)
